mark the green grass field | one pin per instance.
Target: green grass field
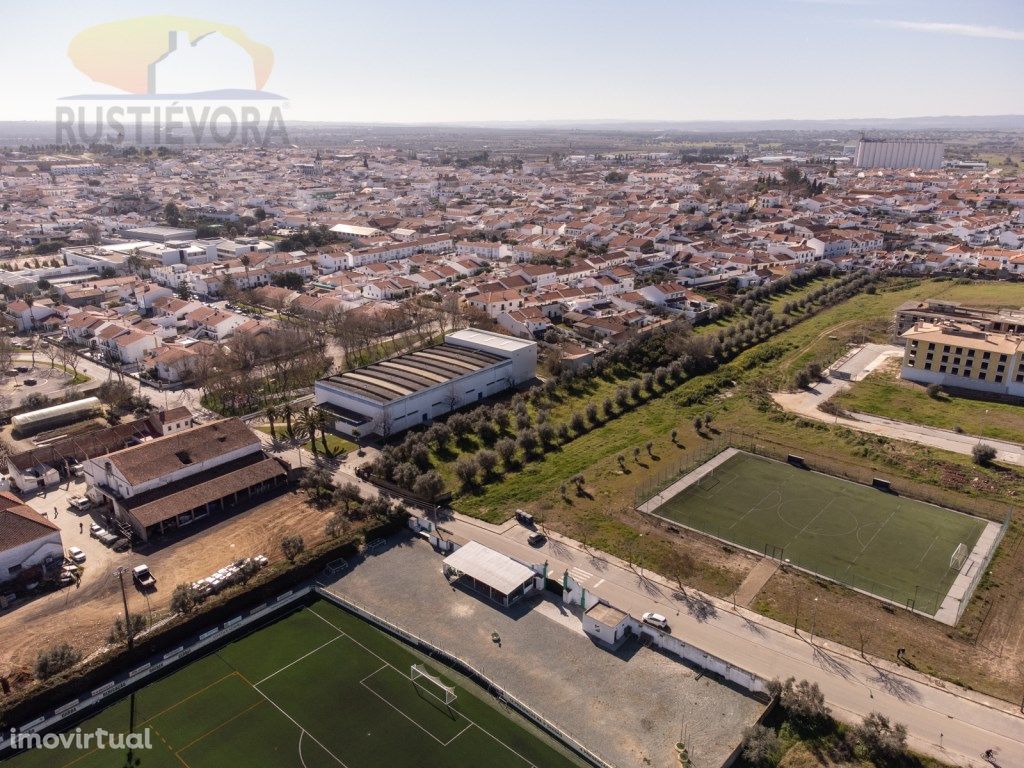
(316, 689)
(896, 548)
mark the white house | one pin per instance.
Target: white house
(27, 540)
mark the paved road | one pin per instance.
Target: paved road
(949, 723)
(806, 402)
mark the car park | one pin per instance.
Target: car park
(655, 620)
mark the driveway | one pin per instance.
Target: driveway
(806, 403)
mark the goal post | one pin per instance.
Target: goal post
(959, 557)
(431, 685)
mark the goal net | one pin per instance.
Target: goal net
(431, 684)
(959, 557)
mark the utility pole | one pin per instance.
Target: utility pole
(120, 572)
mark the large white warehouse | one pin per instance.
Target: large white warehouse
(898, 153)
(416, 387)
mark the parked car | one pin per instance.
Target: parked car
(537, 539)
(76, 555)
(96, 531)
(121, 545)
(107, 538)
(77, 470)
(143, 578)
(524, 518)
(30, 382)
(79, 503)
(655, 620)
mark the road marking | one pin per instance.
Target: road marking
(579, 574)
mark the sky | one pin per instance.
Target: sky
(386, 61)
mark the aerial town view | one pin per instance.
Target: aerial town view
(535, 385)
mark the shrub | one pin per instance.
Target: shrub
(983, 454)
(406, 474)
(804, 702)
(184, 599)
(762, 747)
(578, 424)
(55, 660)
(591, 410)
(528, 441)
(319, 487)
(292, 547)
(934, 391)
(120, 632)
(882, 740)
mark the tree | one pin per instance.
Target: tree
(429, 486)
(287, 413)
(272, 414)
(592, 416)
(934, 391)
(983, 454)
(804, 702)
(487, 460)
(185, 598)
(308, 422)
(506, 449)
(347, 494)
(54, 660)
(319, 487)
(172, 214)
(762, 747)
(528, 441)
(578, 423)
(337, 525)
(292, 547)
(884, 741)
(183, 291)
(466, 469)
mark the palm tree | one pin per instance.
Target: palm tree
(272, 414)
(307, 422)
(324, 420)
(287, 412)
(246, 260)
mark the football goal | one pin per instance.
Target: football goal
(431, 684)
(959, 557)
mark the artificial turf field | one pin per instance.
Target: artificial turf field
(319, 688)
(894, 547)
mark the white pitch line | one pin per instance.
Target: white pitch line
(282, 669)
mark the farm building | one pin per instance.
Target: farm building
(55, 416)
(175, 480)
(417, 387)
(30, 545)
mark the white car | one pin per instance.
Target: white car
(76, 555)
(655, 620)
(96, 530)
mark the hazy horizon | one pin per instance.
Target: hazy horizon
(400, 62)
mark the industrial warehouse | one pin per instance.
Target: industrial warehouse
(416, 387)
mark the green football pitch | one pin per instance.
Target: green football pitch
(891, 546)
(319, 688)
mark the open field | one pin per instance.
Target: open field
(883, 393)
(894, 547)
(317, 688)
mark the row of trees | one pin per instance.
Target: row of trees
(507, 436)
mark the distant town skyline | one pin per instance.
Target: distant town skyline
(398, 61)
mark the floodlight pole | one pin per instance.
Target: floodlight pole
(120, 572)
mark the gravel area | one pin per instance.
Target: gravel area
(631, 707)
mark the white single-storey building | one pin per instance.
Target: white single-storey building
(27, 540)
(413, 388)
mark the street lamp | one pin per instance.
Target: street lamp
(814, 616)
